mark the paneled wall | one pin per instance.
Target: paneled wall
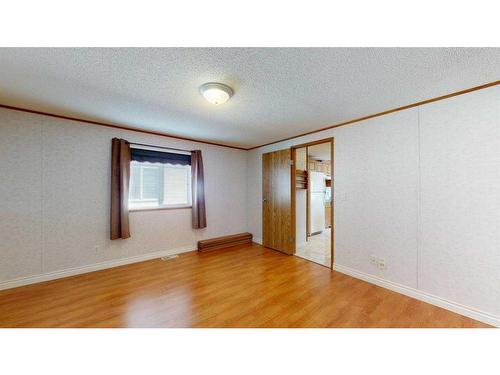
(459, 256)
(419, 188)
(54, 206)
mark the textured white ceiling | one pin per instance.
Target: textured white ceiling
(320, 152)
(279, 92)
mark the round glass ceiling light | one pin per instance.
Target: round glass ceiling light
(216, 93)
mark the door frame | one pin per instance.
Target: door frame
(293, 149)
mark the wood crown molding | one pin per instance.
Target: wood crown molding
(122, 127)
(476, 88)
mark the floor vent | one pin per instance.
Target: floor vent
(168, 257)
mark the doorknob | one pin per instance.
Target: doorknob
(264, 200)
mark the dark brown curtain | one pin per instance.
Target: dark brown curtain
(198, 187)
(120, 176)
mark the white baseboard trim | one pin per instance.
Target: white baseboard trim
(422, 296)
(14, 283)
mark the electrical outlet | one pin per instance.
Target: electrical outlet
(96, 248)
(373, 259)
(381, 264)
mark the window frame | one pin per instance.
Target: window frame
(161, 190)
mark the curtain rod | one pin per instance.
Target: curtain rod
(166, 148)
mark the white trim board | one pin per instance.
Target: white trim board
(422, 296)
(414, 293)
(14, 283)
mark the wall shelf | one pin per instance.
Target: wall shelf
(300, 179)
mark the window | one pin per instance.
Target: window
(161, 184)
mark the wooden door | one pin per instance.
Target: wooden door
(277, 210)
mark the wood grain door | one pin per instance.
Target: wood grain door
(277, 210)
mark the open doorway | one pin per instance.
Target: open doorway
(312, 194)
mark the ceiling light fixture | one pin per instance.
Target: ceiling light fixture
(216, 93)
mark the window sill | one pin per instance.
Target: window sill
(159, 208)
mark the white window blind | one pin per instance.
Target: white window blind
(177, 185)
(155, 185)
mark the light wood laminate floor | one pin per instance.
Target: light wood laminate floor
(245, 286)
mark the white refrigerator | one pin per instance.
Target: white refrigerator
(317, 189)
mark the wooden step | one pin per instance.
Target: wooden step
(225, 241)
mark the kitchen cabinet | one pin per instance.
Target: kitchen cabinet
(323, 166)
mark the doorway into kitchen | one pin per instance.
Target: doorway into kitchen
(313, 207)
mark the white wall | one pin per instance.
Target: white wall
(54, 206)
(421, 189)
(301, 201)
(460, 200)
(300, 217)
